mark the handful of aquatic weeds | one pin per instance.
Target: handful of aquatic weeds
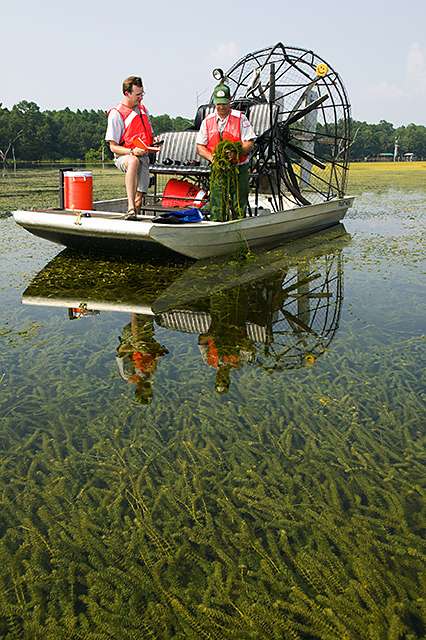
(224, 179)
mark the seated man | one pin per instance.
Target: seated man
(226, 124)
(127, 121)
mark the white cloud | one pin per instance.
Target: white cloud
(392, 98)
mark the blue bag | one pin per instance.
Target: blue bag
(180, 216)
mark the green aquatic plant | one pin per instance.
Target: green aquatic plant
(198, 522)
(291, 508)
(224, 180)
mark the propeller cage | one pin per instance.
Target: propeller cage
(301, 157)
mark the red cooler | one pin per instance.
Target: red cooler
(78, 190)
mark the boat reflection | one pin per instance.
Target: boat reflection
(277, 309)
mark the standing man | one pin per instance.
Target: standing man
(138, 355)
(227, 124)
(127, 121)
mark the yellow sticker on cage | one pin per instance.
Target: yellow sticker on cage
(322, 69)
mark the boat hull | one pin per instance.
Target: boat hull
(108, 245)
(110, 232)
(227, 238)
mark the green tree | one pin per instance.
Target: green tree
(53, 135)
(161, 124)
(27, 117)
(181, 124)
(412, 139)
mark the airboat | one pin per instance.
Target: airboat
(299, 109)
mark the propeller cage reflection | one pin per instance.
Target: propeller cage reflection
(282, 322)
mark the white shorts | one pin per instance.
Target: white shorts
(143, 173)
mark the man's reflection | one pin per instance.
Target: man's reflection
(138, 354)
(226, 345)
(76, 313)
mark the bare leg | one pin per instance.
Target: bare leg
(139, 199)
(131, 181)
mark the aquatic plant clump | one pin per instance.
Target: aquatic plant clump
(224, 181)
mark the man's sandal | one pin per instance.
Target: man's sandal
(130, 215)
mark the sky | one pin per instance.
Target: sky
(76, 54)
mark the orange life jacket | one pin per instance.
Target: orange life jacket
(232, 359)
(232, 131)
(135, 125)
(212, 353)
(143, 361)
(214, 359)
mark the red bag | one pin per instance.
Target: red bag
(182, 194)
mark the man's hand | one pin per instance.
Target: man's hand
(232, 157)
(136, 151)
(204, 152)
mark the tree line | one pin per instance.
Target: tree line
(26, 133)
(29, 134)
(369, 140)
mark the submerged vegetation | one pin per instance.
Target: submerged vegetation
(299, 519)
(291, 507)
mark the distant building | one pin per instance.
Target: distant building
(380, 157)
(386, 156)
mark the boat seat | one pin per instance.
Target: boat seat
(179, 154)
(258, 114)
(202, 111)
(199, 322)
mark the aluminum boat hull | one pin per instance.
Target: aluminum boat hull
(109, 231)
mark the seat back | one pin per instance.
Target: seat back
(202, 111)
(179, 146)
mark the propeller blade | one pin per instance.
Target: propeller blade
(315, 296)
(285, 293)
(290, 171)
(294, 320)
(254, 82)
(304, 94)
(304, 281)
(302, 113)
(307, 156)
(290, 180)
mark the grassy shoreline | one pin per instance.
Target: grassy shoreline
(37, 187)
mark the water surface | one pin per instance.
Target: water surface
(230, 449)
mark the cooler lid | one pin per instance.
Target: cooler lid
(77, 174)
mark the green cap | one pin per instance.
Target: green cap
(221, 94)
